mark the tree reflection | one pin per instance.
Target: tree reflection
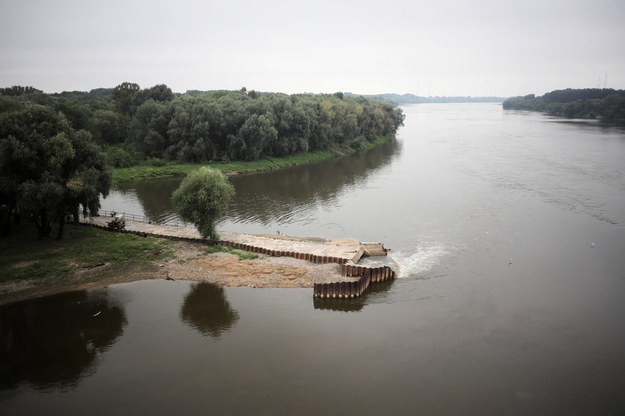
(286, 192)
(206, 310)
(154, 196)
(355, 304)
(54, 341)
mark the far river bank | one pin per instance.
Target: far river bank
(160, 169)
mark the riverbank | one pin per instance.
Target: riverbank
(90, 257)
(147, 171)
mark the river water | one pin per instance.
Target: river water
(509, 232)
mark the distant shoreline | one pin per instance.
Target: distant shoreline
(403, 99)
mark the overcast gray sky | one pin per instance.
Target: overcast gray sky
(438, 47)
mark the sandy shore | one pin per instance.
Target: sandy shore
(188, 263)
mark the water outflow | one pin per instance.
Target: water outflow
(419, 263)
(411, 263)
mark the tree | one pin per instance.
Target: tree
(257, 133)
(108, 127)
(48, 169)
(19, 90)
(159, 93)
(148, 128)
(123, 95)
(202, 198)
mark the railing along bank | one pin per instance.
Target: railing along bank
(141, 218)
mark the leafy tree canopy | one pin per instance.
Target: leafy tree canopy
(602, 103)
(48, 168)
(202, 126)
(202, 198)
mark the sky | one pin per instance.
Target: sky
(428, 48)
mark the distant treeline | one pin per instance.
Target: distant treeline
(401, 99)
(597, 103)
(135, 124)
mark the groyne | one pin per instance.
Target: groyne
(344, 252)
(345, 290)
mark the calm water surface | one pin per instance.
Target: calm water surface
(508, 229)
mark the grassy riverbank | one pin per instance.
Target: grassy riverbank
(146, 171)
(23, 256)
(91, 258)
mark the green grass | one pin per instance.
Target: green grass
(146, 171)
(243, 255)
(23, 256)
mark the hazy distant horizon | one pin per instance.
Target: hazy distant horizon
(448, 48)
(402, 93)
(263, 92)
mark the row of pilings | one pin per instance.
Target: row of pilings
(346, 290)
(313, 258)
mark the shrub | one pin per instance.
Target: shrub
(201, 198)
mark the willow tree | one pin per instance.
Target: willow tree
(202, 198)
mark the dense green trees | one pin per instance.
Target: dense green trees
(202, 198)
(197, 126)
(51, 164)
(48, 169)
(605, 104)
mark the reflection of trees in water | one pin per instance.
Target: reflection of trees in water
(285, 192)
(266, 196)
(154, 195)
(206, 310)
(355, 304)
(54, 341)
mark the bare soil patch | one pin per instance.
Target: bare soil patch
(189, 262)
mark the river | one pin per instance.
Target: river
(509, 232)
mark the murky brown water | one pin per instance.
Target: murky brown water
(509, 229)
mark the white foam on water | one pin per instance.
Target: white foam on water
(426, 257)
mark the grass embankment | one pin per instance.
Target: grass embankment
(23, 256)
(54, 262)
(173, 168)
